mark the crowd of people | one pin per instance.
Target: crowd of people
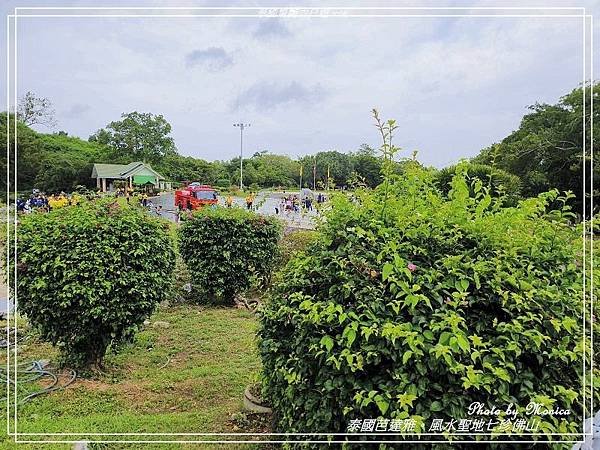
(296, 204)
(39, 201)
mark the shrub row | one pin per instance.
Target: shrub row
(89, 275)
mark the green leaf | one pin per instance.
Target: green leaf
(387, 270)
(463, 342)
(382, 404)
(350, 334)
(435, 406)
(327, 342)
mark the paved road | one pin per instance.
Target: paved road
(265, 203)
(3, 296)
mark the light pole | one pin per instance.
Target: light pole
(315, 173)
(241, 126)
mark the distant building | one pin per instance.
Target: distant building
(135, 173)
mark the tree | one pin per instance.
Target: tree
(228, 250)
(187, 168)
(28, 153)
(338, 165)
(50, 162)
(275, 170)
(33, 110)
(65, 162)
(367, 165)
(138, 136)
(546, 151)
(105, 267)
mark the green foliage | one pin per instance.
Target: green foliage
(28, 156)
(227, 250)
(88, 275)
(546, 152)
(50, 162)
(441, 302)
(186, 168)
(138, 137)
(367, 166)
(57, 162)
(294, 242)
(223, 183)
(339, 164)
(268, 170)
(66, 162)
(499, 182)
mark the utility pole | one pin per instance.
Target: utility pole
(241, 127)
(315, 173)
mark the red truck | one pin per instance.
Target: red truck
(195, 195)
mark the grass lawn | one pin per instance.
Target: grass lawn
(186, 377)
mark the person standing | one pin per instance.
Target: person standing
(229, 201)
(249, 201)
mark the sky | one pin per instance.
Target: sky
(305, 84)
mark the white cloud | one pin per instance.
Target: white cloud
(306, 84)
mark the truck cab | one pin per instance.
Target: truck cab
(195, 195)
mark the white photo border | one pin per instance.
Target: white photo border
(289, 12)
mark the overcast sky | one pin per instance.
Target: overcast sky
(455, 85)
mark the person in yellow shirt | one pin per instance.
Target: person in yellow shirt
(62, 201)
(229, 201)
(52, 202)
(249, 200)
(75, 199)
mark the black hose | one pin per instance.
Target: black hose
(32, 371)
(53, 387)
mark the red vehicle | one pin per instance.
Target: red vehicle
(195, 195)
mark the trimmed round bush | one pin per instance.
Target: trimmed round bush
(228, 250)
(418, 312)
(89, 275)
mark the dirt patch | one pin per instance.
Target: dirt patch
(92, 385)
(140, 396)
(247, 422)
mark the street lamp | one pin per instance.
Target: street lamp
(241, 126)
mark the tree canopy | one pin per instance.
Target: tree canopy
(33, 110)
(546, 151)
(51, 162)
(138, 137)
